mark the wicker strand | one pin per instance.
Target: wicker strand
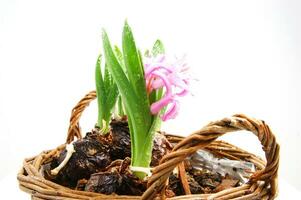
(74, 128)
(183, 178)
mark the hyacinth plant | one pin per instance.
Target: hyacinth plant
(145, 88)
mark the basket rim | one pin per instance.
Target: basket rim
(263, 182)
(32, 181)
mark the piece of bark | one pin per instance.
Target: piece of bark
(81, 184)
(121, 142)
(161, 147)
(175, 185)
(194, 186)
(104, 182)
(226, 184)
(207, 179)
(89, 156)
(131, 185)
(169, 193)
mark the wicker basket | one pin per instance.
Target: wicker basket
(262, 184)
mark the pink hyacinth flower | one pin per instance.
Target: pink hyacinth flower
(173, 77)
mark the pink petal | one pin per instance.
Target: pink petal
(178, 81)
(157, 83)
(158, 105)
(172, 112)
(151, 69)
(182, 93)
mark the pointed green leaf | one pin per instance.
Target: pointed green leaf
(158, 48)
(111, 99)
(107, 80)
(141, 65)
(147, 53)
(100, 91)
(120, 59)
(120, 107)
(135, 71)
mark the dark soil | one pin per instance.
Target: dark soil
(160, 148)
(104, 182)
(100, 164)
(118, 180)
(95, 152)
(121, 142)
(89, 156)
(200, 182)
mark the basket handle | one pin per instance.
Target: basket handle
(74, 128)
(208, 134)
(198, 140)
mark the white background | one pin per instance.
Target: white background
(245, 55)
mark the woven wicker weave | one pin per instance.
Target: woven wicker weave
(262, 184)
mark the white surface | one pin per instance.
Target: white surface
(246, 55)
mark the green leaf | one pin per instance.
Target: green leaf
(134, 144)
(156, 124)
(135, 71)
(147, 146)
(147, 53)
(100, 92)
(120, 59)
(131, 101)
(142, 66)
(111, 87)
(111, 98)
(108, 79)
(120, 107)
(152, 97)
(158, 48)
